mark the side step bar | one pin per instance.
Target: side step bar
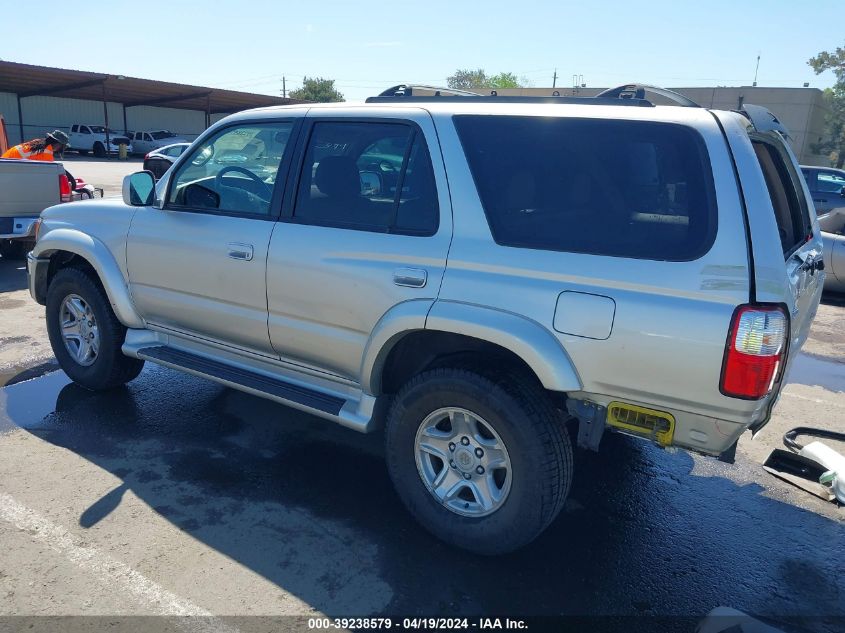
(243, 379)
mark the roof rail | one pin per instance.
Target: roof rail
(638, 91)
(407, 90)
(405, 93)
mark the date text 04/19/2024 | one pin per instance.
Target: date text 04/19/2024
(415, 624)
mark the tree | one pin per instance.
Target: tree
(318, 90)
(468, 79)
(505, 80)
(834, 141)
(478, 79)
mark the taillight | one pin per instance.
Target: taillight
(64, 188)
(146, 156)
(37, 228)
(755, 350)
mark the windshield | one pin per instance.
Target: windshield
(99, 129)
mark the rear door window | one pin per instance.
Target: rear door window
(790, 206)
(634, 189)
(368, 176)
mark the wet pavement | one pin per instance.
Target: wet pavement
(309, 508)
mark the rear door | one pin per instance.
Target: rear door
(800, 237)
(366, 227)
(787, 254)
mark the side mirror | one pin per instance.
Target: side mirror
(139, 189)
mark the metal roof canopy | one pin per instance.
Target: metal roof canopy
(27, 80)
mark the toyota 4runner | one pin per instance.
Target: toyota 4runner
(491, 279)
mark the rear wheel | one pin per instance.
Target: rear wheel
(99, 150)
(482, 462)
(85, 334)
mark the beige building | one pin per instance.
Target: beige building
(801, 110)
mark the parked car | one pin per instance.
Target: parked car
(145, 142)
(492, 279)
(92, 138)
(160, 160)
(834, 260)
(827, 186)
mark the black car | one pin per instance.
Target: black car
(159, 161)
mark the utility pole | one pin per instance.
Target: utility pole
(284, 88)
(554, 79)
(756, 69)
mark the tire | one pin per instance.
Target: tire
(108, 367)
(99, 150)
(538, 453)
(13, 249)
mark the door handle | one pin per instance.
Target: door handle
(410, 277)
(240, 251)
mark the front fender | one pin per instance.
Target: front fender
(102, 260)
(529, 340)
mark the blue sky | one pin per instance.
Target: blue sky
(368, 46)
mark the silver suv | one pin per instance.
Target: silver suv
(491, 279)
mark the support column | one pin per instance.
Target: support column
(20, 119)
(106, 115)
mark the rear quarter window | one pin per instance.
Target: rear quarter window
(634, 189)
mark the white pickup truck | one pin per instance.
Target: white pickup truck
(27, 187)
(92, 138)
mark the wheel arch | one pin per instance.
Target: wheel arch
(69, 247)
(406, 342)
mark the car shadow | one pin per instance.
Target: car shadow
(309, 506)
(12, 276)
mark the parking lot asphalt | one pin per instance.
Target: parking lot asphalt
(176, 496)
(231, 504)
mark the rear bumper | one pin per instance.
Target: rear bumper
(17, 228)
(36, 273)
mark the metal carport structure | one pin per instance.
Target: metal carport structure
(25, 80)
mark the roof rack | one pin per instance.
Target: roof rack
(638, 91)
(405, 93)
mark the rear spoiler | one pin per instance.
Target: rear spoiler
(762, 119)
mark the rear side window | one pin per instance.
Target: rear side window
(622, 188)
(368, 176)
(791, 213)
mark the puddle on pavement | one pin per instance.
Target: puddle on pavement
(813, 371)
(25, 404)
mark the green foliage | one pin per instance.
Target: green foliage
(478, 79)
(317, 90)
(834, 139)
(504, 80)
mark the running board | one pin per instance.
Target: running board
(244, 379)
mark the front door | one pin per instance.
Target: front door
(367, 228)
(197, 265)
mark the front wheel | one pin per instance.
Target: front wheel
(99, 150)
(85, 334)
(484, 463)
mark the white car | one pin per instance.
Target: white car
(92, 138)
(144, 142)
